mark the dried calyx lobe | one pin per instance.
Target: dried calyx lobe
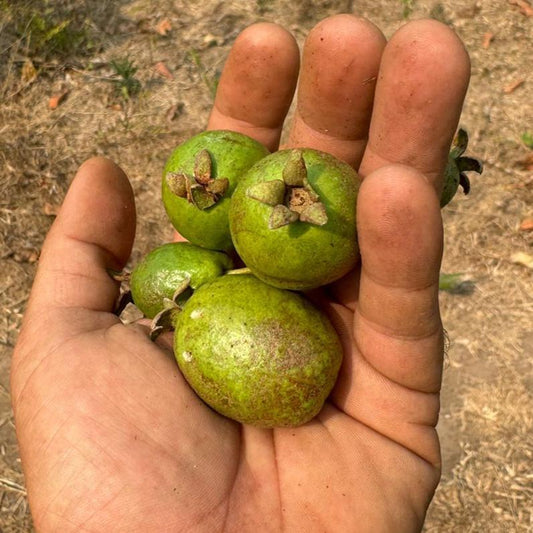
(291, 197)
(200, 189)
(165, 320)
(457, 166)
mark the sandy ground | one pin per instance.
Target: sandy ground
(486, 420)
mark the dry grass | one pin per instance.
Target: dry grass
(486, 421)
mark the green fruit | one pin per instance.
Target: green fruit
(172, 266)
(257, 354)
(198, 181)
(293, 219)
(454, 174)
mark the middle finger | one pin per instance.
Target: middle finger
(336, 89)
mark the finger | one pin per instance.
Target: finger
(422, 82)
(257, 84)
(335, 96)
(391, 378)
(93, 232)
(397, 322)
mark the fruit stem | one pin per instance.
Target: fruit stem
(119, 275)
(164, 320)
(244, 270)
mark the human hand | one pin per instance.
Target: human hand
(111, 436)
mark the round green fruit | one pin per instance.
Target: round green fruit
(257, 354)
(198, 181)
(170, 267)
(293, 219)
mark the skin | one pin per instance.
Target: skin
(112, 438)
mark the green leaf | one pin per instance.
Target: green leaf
(456, 283)
(527, 139)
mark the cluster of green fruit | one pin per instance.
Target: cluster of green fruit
(246, 339)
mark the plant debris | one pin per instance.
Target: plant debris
(522, 258)
(513, 85)
(57, 99)
(524, 6)
(163, 27)
(163, 71)
(487, 39)
(526, 224)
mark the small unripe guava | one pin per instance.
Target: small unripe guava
(157, 276)
(257, 354)
(293, 219)
(198, 181)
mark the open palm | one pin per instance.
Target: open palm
(111, 436)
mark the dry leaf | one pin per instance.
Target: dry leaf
(487, 39)
(524, 6)
(511, 87)
(26, 256)
(527, 184)
(210, 40)
(28, 74)
(162, 70)
(163, 27)
(144, 25)
(526, 224)
(526, 163)
(56, 99)
(172, 111)
(51, 209)
(521, 258)
(33, 257)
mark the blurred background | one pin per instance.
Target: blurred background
(131, 79)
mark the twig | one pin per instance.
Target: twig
(12, 485)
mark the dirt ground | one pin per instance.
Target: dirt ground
(65, 48)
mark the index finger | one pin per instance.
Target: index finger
(336, 89)
(257, 84)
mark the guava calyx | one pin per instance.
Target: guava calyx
(464, 163)
(292, 198)
(166, 318)
(268, 192)
(125, 297)
(200, 189)
(280, 216)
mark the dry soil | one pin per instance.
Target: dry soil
(66, 48)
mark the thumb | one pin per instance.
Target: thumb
(93, 232)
